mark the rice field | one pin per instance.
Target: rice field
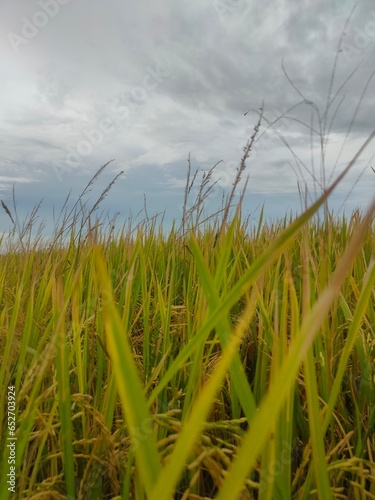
(222, 361)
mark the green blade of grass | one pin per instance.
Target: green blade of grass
(63, 379)
(240, 383)
(356, 320)
(128, 383)
(315, 425)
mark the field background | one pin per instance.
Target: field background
(218, 361)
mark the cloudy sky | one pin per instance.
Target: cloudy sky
(146, 83)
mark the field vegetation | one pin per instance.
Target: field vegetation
(219, 360)
(223, 360)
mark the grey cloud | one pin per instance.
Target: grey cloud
(93, 57)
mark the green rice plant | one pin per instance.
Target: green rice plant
(262, 423)
(218, 361)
